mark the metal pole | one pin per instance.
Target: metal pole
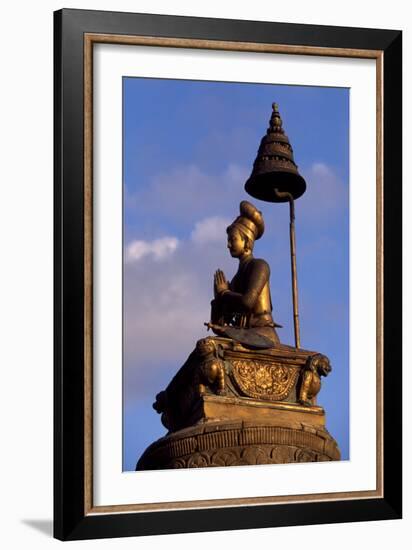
(289, 197)
(294, 273)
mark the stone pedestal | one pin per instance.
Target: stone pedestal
(263, 434)
(230, 406)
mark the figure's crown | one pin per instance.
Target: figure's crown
(250, 220)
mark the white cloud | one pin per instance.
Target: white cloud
(165, 307)
(326, 194)
(186, 193)
(158, 249)
(208, 230)
(321, 169)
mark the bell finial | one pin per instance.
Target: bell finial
(274, 169)
(275, 120)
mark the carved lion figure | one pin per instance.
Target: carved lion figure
(212, 370)
(316, 366)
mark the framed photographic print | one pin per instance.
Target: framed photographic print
(227, 274)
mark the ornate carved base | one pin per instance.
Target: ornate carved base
(223, 443)
(229, 406)
(221, 367)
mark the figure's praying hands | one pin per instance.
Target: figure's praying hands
(220, 283)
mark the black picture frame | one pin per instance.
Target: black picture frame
(71, 520)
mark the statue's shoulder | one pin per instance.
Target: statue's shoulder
(260, 264)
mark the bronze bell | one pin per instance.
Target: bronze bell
(274, 169)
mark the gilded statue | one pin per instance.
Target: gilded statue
(242, 397)
(242, 308)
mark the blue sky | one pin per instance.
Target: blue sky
(189, 147)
